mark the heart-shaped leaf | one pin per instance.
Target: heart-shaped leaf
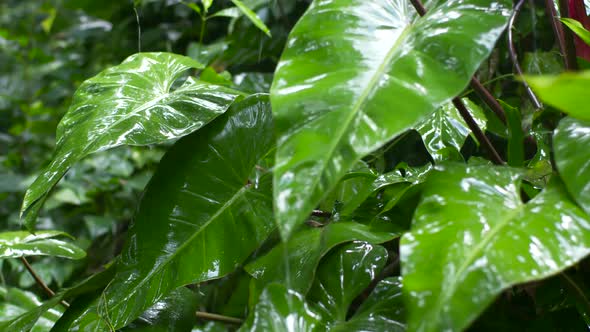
(138, 103)
(572, 156)
(356, 73)
(472, 237)
(201, 214)
(304, 250)
(445, 129)
(342, 275)
(42, 243)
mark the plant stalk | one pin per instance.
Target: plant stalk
(39, 281)
(513, 55)
(220, 318)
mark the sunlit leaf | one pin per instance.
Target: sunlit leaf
(138, 102)
(577, 28)
(572, 156)
(201, 214)
(357, 73)
(473, 237)
(42, 243)
(251, 16)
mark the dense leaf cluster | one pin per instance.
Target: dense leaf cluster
(333, 165)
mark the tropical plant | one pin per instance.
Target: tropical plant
(398, 170)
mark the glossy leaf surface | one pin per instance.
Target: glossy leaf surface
(138, 102)
(15, 302)
(201, 215)
(251, 16)
(283, 310)
(293, 263)
(383, 310)
(572, 156)
(342, 275)
(472, 237)
(567, 92)
(445, 129)
(577, 28)
(357, 73)
(43, 243)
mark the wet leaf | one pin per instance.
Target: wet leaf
(357, 73)
(42, 243)
(472, 237)
(138, 102)
(200, 216)
(446, 129)
(572, 156)
(577, 28)
(251, 16)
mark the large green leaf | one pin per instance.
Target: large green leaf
(18, 244)
(445, 132)
(472, 237)
(15, 302)
(138, 102)
(567, 92)
(342, 275)
(304, 250)
(572, 156)
(201, 214)
(355, 74)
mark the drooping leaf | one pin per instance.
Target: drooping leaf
(15, 302)
(577, 28)
(138, 102)
(472, 237)
(303, 252)
(342, 275)
(567, 92)
(355, 74)
(282, 310)
(42, 243)
(446, 129)
(383, 310)
(200, 216)
(251, 16)
(572, 156)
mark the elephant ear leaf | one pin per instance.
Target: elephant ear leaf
(138, 102)
(356, 73)
(472, 237)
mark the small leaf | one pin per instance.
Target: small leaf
(282, 310)
(303, 252)
(201, 214)
(134, 103)
(252, 16)
(567, 92)
(515, 136)
(207, 4)
(572, 156)
(577, 28)
(232, 12)
(18, 244)
(342, 275)
(355, 74)
(472, 237)
(445, 128)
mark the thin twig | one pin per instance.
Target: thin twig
(559, 34)
(514, 56)
(220, 318)
(481, 137)
(570, 48)
(577, 289)
(487, 98)
(39, 281)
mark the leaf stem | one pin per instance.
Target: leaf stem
(490, 100)
(39, 281)
(560, 34)
(220, 318)
(579, 292)
(514, 56)
(202, 33)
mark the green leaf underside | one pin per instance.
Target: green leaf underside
(199, 217)
(293, 263)
(42, 243)
(572, 156)
(371, 72)
(445, 128)
(577, 28)
(567, 92)
(134, 103)
(472, 237)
